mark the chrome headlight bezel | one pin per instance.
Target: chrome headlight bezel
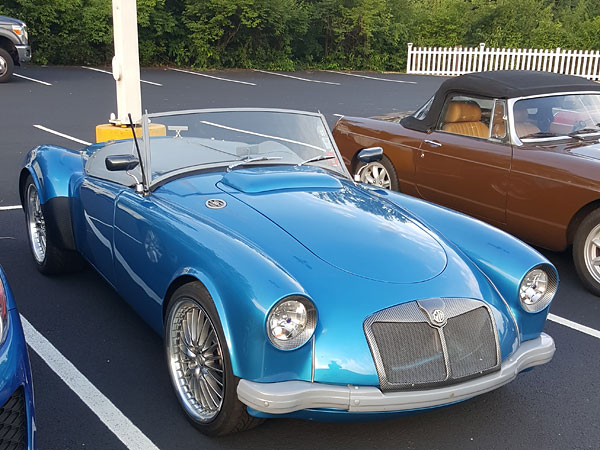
(308, 327)
(545, 297)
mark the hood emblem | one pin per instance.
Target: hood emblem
(215, 203)
(438, 317)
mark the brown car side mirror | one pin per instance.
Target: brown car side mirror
(371, 154)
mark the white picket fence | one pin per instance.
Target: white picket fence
(458, 60)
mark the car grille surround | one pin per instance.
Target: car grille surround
(13, 422)
(432, 342)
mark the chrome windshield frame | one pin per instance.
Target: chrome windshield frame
(515, 140)
(146, 153)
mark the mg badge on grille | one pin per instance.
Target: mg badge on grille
(215, 203)
(438, 317)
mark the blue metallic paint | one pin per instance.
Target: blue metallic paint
(263, 246)
(503, 258)
(15, 370)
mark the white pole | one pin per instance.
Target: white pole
(126, 62)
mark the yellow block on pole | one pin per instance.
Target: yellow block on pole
(109, 132)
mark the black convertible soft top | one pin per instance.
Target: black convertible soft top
(500, 84)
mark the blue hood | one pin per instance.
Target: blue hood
(354, 231)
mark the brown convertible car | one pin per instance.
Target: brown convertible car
(517, 149)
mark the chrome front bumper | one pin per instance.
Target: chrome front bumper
(289, 396)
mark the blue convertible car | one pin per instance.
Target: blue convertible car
(17, 424)
(282, 288)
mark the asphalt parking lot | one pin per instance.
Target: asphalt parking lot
(555, 406)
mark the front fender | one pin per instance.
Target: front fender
(502, 258)
(53, 170)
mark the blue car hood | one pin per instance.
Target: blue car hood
(341, 224)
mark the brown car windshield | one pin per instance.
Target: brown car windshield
(557, 117)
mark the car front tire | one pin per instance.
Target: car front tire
(378, 173)
(200, 366)
(49, 257)
(586, 252)
(7, 66)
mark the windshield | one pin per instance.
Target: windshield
(238, 138)
(557, 117)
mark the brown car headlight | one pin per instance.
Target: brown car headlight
(537, 289)
(291, 322)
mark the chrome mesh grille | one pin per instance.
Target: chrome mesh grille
(471, 343)
(410, 351)
(423, 364)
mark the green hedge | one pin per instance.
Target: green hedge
(294, 34)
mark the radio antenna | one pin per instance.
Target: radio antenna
(137, 147)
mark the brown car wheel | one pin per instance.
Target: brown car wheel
(586, 252)
(378, 173)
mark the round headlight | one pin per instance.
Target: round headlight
(537, 289)
(291, 322)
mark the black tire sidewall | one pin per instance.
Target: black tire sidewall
(387, 164)
(231, 409)
(9, 64)
(584, 229)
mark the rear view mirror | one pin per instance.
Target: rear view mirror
(116, 163)
(372, 154)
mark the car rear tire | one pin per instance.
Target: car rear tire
(378, 173)
(50, 258)
(200, 366)
(586, 252)
(7, 66)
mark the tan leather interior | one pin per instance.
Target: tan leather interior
(499, 124)
(465, 118)
(522, 125)
(525, 128)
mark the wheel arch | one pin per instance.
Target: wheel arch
(9, 46)
(190, 275)
(578, 217)
(25, 172)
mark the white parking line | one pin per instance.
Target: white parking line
(296, 78)
(32, 79)
(574, 325)
(9, 208)
(107, 412)
(370, 78)
(66, 136)
(110, 73)
(212, 76)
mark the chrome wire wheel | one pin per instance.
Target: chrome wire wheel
(591, 253)
(375, 173)
(36, 224)
(195, 358)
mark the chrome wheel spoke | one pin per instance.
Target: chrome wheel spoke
(212, 393)
(208, 375)
(36, 224)
(196, 360)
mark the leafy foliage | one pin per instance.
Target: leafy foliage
(291, 34)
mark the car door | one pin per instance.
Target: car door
(464, 163)
(95, 230)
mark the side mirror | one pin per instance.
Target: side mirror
(372, 154)
(116, 163)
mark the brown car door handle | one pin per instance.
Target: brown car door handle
(432, 143)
